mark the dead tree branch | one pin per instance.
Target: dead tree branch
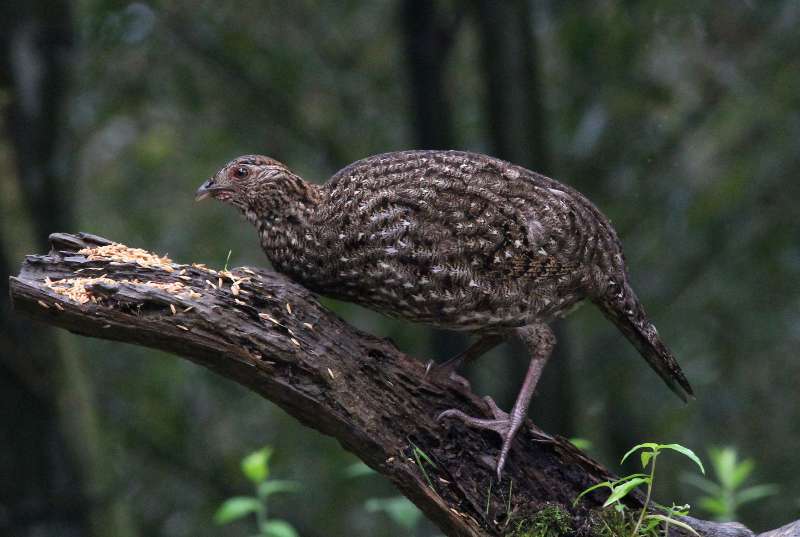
(272, 336)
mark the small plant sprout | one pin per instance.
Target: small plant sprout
(255, 467)
(646, 523)
(725, 496)
(421, 457)
(227, 260)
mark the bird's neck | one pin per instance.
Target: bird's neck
(284, 218)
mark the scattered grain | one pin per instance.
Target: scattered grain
(182, 327)
(116, 252)
(76, 288)
(309, 326)
(331, 373)
(172, 307)
(43, 304)
(267, 317)
(289, 308)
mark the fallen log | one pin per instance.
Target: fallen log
(272, 336)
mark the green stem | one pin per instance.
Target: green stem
(647, 498)
(261, 513)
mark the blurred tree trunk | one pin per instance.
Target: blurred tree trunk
(51, 473)
(429, 30)
(517, 126)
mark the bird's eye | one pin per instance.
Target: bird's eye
(240, 172)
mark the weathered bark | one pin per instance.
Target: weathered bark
(272, 336)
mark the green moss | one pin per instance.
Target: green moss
(611, 523)
(552, 521)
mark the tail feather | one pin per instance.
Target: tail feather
(625, 311)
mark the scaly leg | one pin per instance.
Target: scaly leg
(444, 371)
(539, 340)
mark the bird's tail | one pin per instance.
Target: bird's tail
(623, 308)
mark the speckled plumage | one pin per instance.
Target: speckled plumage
(454, 239)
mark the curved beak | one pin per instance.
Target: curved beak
(208, 190)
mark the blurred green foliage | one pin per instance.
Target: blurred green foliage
(255, 467)
(725, 496)
(680, 120)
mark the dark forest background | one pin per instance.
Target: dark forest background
(680, 120)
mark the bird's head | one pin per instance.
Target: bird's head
(245, 180)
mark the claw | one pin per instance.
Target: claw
(502, 424)
(540, 340)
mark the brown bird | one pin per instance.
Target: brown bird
(453, 239)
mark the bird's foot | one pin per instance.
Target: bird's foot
(503, 424)
(444, 373)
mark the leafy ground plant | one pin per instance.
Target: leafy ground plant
(646, 524)
(725, 496)
(255, 467)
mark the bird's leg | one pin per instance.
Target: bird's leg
(446, 370)
(539, 340)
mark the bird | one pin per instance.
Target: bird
(454, 239)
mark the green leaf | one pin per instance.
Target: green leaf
(627, 478)
(581, 443)
(674, 522)
(278, 528)
(236, 508)
(606, 484)
(648, 445)
(755, 492)
(274, 486)
(724, 461)
(715, 506)
(399, 509)
(686, 452)
(422, 455)
(646, 456)
(651, 523)
(358, 469)
(620, 491)
(706, 485)
(742, 472)
(256, 465)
